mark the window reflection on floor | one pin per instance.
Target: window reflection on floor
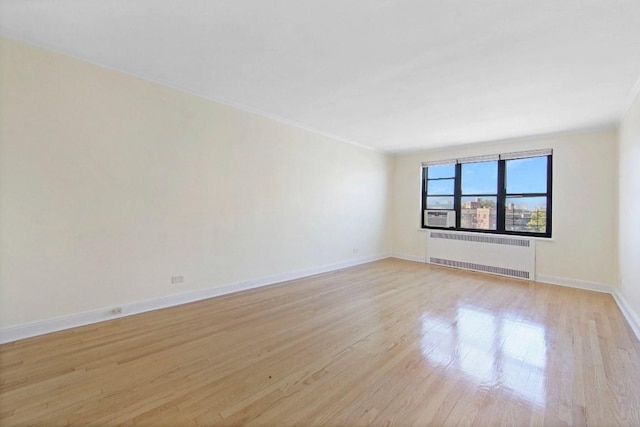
(490, 349)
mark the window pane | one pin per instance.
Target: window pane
(440, 186)
(527, 175)
(441, 171)
(526, 214)
(480, 178)
(440, 202)
(479, 213)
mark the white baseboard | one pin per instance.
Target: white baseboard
(14, 333)
(632, 317)
(575, 283)
(407, 257)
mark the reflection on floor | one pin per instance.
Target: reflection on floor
(497, 351)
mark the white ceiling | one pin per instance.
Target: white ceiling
(395, 75)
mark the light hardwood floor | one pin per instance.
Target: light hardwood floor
(387, 343)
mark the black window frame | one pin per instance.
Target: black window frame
(501, 197)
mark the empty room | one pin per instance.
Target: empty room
(354, 213)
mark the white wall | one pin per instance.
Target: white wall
(109, 185)
(584, 244)
(629, 210)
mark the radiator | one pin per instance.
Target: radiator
(502, 255)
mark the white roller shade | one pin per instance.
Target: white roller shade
(526, 154)
(475, 159)
(439, 163)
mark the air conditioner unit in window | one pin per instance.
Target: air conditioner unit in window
(440, 218)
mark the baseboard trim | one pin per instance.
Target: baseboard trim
(28, 330)
(632, 317)
(407, 257)
(575, 283)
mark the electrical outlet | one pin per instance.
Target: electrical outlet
(117, 310)
(177, 279)
(355, 251)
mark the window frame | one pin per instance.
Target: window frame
(501, 196)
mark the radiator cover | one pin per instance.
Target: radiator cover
(502, 255)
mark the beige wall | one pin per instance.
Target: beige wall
(109, 185)
(629, 219)
(584, 244)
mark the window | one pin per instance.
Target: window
(503, 194)
(441, 187)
